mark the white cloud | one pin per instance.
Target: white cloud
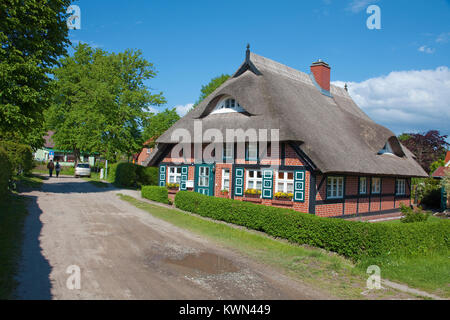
(443, 37)
(416, 100)
(426, 49)
(183, 109)
(357, 5)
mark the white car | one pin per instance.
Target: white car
(83, 170)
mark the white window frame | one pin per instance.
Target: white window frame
(400, 189)
(285, 181)
(253, 181)
(149, 150)
(204, 176)
(227, 153)
(226, 105)
(375, 188)
(173, 172)
(224, 179)
(362, 183)
(335, 187)
(253, 147)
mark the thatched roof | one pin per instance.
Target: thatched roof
(331, 130)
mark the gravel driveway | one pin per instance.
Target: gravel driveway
(125, 253)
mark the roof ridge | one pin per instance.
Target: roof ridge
(291, 73)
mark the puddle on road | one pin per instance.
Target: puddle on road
(204, 262)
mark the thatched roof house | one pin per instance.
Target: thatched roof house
(316, 119)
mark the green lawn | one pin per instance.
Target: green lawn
(12, 217)
(328, 271)
(95, 180)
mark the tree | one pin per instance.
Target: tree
(427, 147)
(436, 164)
(101, 102)
(210, 87)
(33, 34)
(157, 124)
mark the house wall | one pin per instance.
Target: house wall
(352, 203)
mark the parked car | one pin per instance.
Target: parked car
(83, 170)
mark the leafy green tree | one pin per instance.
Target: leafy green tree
(436, 164)
(33, 34)
(101, 102)
(210, 87)
(158, 123)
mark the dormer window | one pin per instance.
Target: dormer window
(387, 149)
(228, 105)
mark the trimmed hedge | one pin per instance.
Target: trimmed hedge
(20, 156)
(349, 238)
(155, 193)
(5, 173)
(132, 175)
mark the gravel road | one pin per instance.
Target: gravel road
(125, 253)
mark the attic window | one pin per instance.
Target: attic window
(387, 149)
(228, 105)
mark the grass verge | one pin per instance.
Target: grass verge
(328, 271)
(12, 216)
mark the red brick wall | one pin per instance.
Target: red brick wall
(218, 179)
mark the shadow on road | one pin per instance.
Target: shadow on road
(71, 185)
(34, 269)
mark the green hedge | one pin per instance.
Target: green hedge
(155, 193)
(5, 172)
(20, 156)
(132, 175)
(349, 238)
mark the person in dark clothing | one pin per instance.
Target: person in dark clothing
(57, 168)
(50, 167)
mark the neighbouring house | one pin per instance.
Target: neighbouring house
(333, 160)
(65, 157)
(439, 173)
(142, 157)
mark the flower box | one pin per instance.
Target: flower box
(283, 202)
(253, 199)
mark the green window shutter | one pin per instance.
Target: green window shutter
(184, 177)
(267, 187)
(162, 175)
(299, 185)
(239, 181)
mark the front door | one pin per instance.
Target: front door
(204, 179)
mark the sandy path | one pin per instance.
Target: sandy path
(125, 253)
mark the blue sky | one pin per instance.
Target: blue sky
(399, 75)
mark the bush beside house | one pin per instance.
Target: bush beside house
(155, 193)
(348, 238)
(126, 174)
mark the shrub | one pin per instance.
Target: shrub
(352, 239)
(411, 215)
(132, 175)
(428, 192)
(147, 176)
(125, 174)
(155, 193)
(20, 156)
(5, 172)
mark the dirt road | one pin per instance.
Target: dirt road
(125, 253)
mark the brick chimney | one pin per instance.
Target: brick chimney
(321, 72)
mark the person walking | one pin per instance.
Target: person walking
(57, 168)
(50, 167)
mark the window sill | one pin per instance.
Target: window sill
(254, 200)
(283, 202)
